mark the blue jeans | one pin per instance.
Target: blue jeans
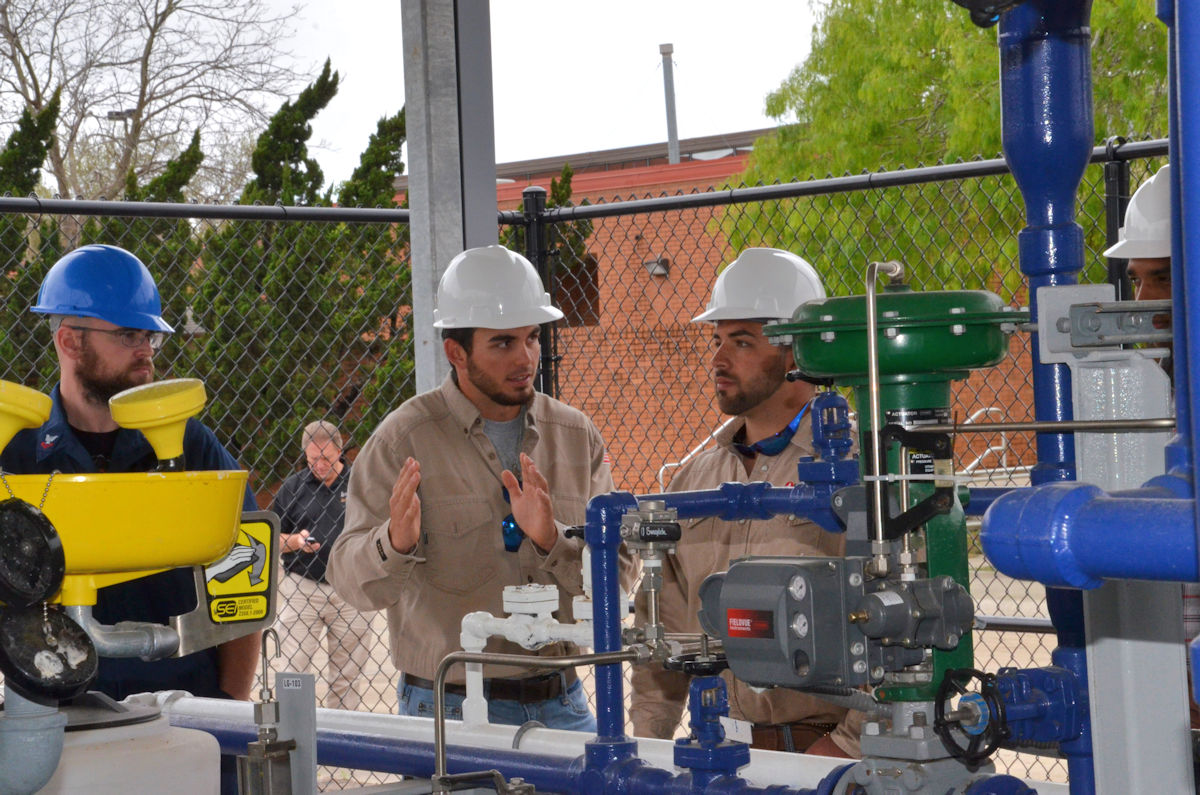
(568, 711)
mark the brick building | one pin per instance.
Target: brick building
(629, 356)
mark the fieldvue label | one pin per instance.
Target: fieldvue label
(750, 623)
(238, 585)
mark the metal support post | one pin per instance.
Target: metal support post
(451, 153)
(534, 208)
(1116, 198)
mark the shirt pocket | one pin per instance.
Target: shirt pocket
(701, 550)
(461, 543)
(570, 509)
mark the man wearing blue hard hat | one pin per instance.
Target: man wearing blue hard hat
(106, 317)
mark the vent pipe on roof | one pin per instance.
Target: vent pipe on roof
(669, 87)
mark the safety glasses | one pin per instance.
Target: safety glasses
(130, 337)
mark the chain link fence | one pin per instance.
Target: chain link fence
(296, 314)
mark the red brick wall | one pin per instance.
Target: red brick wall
(641, 373)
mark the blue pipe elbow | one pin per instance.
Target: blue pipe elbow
(1074, 535)
(1029, 534)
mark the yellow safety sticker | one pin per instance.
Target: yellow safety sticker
(238, 584)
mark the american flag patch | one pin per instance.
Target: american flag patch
(607, 458)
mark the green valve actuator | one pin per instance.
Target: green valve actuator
(925, 340)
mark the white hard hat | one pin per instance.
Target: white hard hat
(1147, 230)
(492, 287)
(762, 284)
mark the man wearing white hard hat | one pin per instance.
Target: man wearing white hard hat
(771, 431)
(1145, 240)
(468, 488)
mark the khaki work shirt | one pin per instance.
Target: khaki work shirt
(459, 564)
(708, 546)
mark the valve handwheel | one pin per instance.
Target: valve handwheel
(986, 731)
(33, 563)
(697, 664)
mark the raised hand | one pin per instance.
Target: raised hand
(531, 503)
(405, 508)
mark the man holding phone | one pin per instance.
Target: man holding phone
(311, 505)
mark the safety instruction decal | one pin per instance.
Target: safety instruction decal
(238, 585)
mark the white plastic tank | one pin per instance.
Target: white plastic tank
(144, 757)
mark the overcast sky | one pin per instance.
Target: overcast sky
(600, 81)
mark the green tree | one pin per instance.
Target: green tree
(373, 183)
(890, 85)
(566, 243)
(138, 76)
(305, 320)
(23, 340)
(283, 171)
(168, 246)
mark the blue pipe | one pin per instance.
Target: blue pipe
(1046, 104)
(730, 501)
(1081, 768)
(1185, 195)
(387, 754)
(1178, 453)
(979, 499)
(1074, 535)
(612, 750)
(603, 536)
(1047, 132)
(734, 501)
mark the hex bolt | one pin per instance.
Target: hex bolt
(857, 648)
(855, 579)
(860, 667)
(877, 672)
(958, 329)
(828, 336)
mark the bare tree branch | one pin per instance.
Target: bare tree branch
(139, 77)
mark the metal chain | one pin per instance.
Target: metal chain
(45, 492)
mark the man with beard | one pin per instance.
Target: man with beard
(469, 488)
(770, 431)
(106, 317)
(1145, 241)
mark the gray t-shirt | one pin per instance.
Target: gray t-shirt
(506, 438)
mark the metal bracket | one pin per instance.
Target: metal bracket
(937, 503)
(239, 614)
(1106, 324)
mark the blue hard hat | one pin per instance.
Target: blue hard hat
(105, 282)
